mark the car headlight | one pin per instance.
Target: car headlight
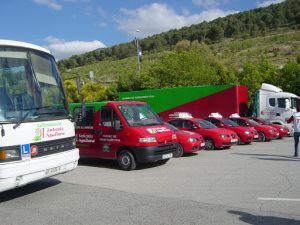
(9, 155)
(282, 129)
(192, 139)
(174, 136)
(223, 135)
(247, 132)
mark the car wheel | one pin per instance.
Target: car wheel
(126, 160)
(261, 137)
(179, 151)
(209, 144)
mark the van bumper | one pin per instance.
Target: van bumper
(154, 153)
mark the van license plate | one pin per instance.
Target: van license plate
(167, 156)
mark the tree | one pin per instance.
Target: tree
(71, 91)
(93, 92)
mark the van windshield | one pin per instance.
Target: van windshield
(30, 86)
(139, 115)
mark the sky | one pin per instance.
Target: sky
(68, 27)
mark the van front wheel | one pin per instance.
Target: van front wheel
(126, 160)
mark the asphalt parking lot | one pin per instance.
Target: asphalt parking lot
(250, 184)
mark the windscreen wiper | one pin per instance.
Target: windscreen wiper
(22, 118)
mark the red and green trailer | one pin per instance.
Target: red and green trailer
(200, 101)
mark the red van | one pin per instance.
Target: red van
(129, 132)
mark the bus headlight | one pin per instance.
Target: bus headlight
(147, 140)
(9, 155)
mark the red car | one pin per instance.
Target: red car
(245, 134)
(189, 142)
(283, 130)
(214, 137)
(265, 132)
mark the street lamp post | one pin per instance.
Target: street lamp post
(138, 52)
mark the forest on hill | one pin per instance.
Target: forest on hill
(248, 48)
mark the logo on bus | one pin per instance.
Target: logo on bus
(34, 150)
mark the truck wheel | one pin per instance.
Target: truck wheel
(209, 144)
(261, 136)
(126, 160)
(179, 151)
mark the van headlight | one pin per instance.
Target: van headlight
(147, 140)
(9, 155)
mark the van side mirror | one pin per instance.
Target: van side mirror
(118, 125)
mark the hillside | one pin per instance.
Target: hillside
(260, 22)
(278, 47)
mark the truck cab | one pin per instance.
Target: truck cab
(274, 105)
(129, 132)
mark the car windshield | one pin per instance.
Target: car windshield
(139, 115)
(230, 123)
(253, 122)
(30, 86)
(172, 127)
(205, 124)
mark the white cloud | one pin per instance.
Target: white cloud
(62, 49)
(269, 2)
(209, 3)
(50, 3)
(157, 18)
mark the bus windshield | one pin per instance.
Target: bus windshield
(139, 115)
(30, 86)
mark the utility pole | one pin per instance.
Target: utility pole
(138, 52)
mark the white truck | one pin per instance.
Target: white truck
(274, 105)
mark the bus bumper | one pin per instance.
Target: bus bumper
(19, 173)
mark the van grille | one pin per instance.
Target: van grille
(165, 149)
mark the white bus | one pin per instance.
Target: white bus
(37, 138)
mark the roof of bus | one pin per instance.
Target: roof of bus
(23, 45)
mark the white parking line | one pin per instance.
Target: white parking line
(279, 199)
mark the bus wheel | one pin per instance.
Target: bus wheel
(261, 137)
(209, 144)
(126, 160)
(179, 151)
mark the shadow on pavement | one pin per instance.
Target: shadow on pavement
(28, 189)
(113, 164)
(263, 220)
(271, 157)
